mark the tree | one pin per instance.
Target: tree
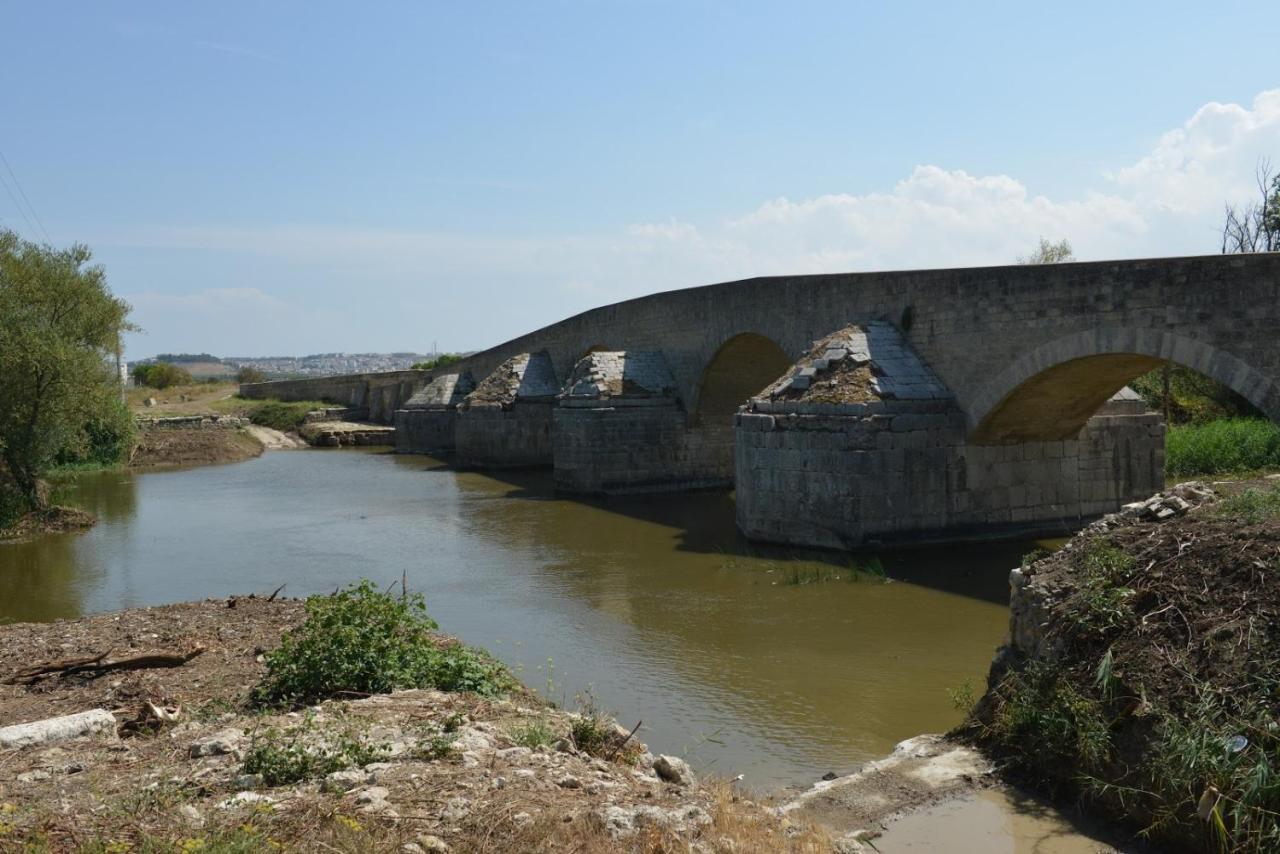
(161, 375)
(60, 327)
(443, 360)
(249, 374)
(1255, 227)
(1049, 253)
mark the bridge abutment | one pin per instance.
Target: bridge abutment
(506, 421)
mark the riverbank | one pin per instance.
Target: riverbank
(1140, 675)
(187, 763)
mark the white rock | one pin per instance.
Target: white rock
(344, 781)
(373, 794)
(247, 781)
(674, 770)
(56, 729)
(524, 773)
(456, 810)
(240, 799)
(433, 844)
(191, 814)
(228, 741)
(33, 776)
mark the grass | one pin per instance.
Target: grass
(279, 415)
(1251, 506)
(533, 734)
(362, 641)
(1225, 446)
(856, 570)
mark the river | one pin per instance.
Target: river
(655, 606)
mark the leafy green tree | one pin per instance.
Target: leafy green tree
(161, 375)
(444, 360)
(60, 328)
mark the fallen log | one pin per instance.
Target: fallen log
(95, 666)
(56, 729)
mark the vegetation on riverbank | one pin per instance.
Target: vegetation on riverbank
(206, 765)
(60, 327)
(1224, 446)
(1144, 674)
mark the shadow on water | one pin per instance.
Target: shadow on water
(706, 524)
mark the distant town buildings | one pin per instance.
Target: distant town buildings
(279, 367)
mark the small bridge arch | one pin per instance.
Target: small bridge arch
(1050, 392)
(743, 365)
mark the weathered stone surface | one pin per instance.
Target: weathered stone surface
(56, 729)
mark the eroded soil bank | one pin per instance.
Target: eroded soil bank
(1142, 675)
(424, 770)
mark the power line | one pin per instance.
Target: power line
(31, 229)
(23, 193)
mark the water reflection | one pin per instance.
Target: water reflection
(655, 604)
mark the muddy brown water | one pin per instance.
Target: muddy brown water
(654, 605)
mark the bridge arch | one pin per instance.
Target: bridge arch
(742, 366)
(1049, 393)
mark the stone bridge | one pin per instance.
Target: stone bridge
(996, 389)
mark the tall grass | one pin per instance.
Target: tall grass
(1221, 447)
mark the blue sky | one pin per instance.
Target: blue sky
(286, 177)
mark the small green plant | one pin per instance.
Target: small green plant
(1251, 506)
(1034, 555)
(1044, 721)
(364, 641)
(962, 697)
(533, 734)
(597, 734)
(299, 753)
(436, 741)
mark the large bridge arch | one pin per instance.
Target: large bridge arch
(1050, 392)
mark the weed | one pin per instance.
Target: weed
(1040, 716)
(856, 570)
(436, 741)
(962, 697)
(300, 753)
(1101, 603)
(533, 734)
(279, 415)
(364, 641)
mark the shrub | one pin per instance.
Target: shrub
(1221, 447)
(441, 361)
(364, 641)
(161, 375)
(1044, 722)
(249, 374)
(279, 415)
(103, 442)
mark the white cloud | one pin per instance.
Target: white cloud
(1169, 202)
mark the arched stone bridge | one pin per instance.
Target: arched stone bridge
(1026, 356)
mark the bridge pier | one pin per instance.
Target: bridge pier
(428, 422)
(861, 443)
(506, 421)
(620, 428)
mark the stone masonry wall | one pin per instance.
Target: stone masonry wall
(901, 470)
(622, 449)
(518, 436)
(380, 394)
(424, 431)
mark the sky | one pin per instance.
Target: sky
(287, 178)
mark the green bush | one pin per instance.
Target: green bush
(1193, 397)
(161, 375)
(1221, 447)
(364, 641)
(441, 361)
(279, 415)
(103, 442)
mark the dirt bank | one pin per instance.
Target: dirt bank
(171, 448)
(1143, 670)
(53, 520)
(430, 771)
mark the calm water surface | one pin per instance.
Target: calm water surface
(655, 605)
